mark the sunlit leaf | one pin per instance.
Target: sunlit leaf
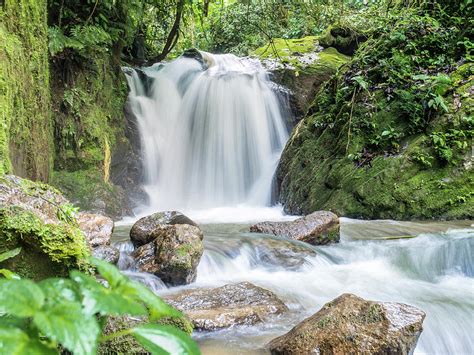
(9, 254)
(20, 298)
(14, 341)
(99, 299)
(165, 339)
(65, 323)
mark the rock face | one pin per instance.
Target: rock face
(142, 231)
(352, 325)
(302, 66)
(97, 228)
(173, 253)
(107, 253)
(226, 306)
(317, 228)
(37, 218)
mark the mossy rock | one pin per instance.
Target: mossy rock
(37, 219)
(127, 344)
(345, 39)
(339, 158)
(302, 66)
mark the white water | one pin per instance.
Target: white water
(433, 271)
(211, 137)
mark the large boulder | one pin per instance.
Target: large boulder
(173, 254)
(352, 325)
(317, 228)
(142, 231)
(38, 219)
(223, 307)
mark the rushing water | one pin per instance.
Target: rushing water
(211, 132)
(434, 271)
(211, 136)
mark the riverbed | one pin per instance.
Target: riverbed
(429, 265)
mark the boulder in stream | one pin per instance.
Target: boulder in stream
(173, 254)
(223, 307)
(317, 228)
(142, 231)
(352, 325)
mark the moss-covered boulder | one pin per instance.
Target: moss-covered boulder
(302, 66)
(38, 219)
(345, 39)
(390, 136)
(173, 254)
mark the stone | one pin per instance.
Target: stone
(173, 254)
(230, 305)
(352, 325)
(107, 253)
(97, 228)
(141, 232)
(38, 219)
(317, 228)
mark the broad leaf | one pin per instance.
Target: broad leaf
(14, 341)
(109, 272)
(10, 275)
(9, 254)
(22, 298)
(99, 299)
(65, 323)
(156, 306)
(165, 339)
(58, 290)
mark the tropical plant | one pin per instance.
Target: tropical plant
(59, 314)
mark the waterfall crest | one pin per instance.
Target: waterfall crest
(211, 132)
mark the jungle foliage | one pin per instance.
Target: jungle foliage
(70, 314)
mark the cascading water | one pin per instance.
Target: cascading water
(211, 132)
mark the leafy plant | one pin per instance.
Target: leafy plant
(71, 313)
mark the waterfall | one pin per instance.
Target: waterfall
(211, 132)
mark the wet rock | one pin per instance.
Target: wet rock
(223, 307)
(173, 254)
(107, 253)
(97, 228)
(142, 231)
(352, 325)
(317, 228)
(38, 219)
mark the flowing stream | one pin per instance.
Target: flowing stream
(212, 132)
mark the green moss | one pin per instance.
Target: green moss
(58, 246)
(183, 323)
(25, 121)
(88, 190)
(284, 48)
(367, 149)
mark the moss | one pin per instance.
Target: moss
(88, 190)
(363, 151)
(285, 48)
(47, 249)
(25, 122)
(183, 323)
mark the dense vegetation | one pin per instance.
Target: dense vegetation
(390, 135)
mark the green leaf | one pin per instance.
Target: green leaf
(10, 275)
(165, 339)
(65, 323)
(22, 298)
(109, 272)
(99, 299)
(58, 290)
(9, 254)
(360, 80)
(156, 306)
(14, 341)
